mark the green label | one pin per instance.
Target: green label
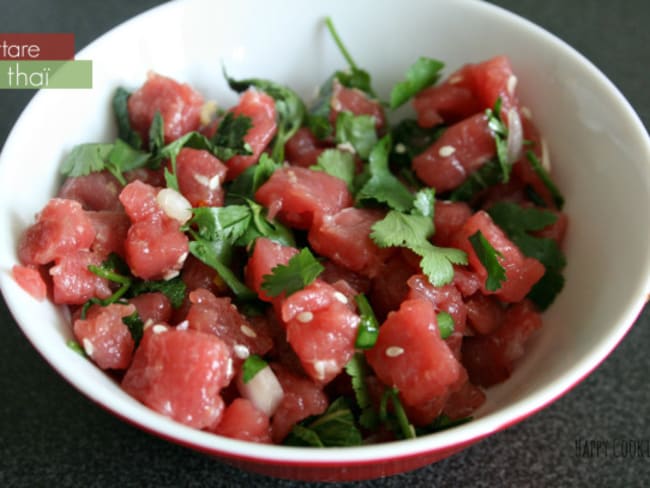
(34, 75)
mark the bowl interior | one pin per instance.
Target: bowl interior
(599, 152)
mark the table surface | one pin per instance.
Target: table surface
(50, 435)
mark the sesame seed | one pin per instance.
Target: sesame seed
(147, 324)
(446, 151)
(230, 370)
(184, 325)
(455, 79)
(526, 112)
(241, 351)
(201, 179)
(305, 317)
(171, 274)
(159, 329)
(88, 346)
(347, 147)
(512, 84)
(546, 158)
(394, 351)
(292, 177)
(340, 297)
(400, 148)
(214, 182)
(247, 331)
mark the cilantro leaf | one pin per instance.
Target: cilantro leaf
(252, 365)
(227, 223)
(157, 133)
(301, 270)
(74, 345)
(383, 186)
(424, 203)
(410, 140)
(445, 324)
(288, 105)
(489, 259)
(357, 370)
(500, 133)
(402, 229)
(368, 330)
(124, 157)
(228, 140)
(421, 74)
(334, 428)
(85, 159)
(442, 422)
(173, 289)
(318, 117)
(484, 177)
(400, 423)
(248, 182)
(135, 325)
(557, 197)
(337, 163)
(437, 262)
(262, 226)
(518, 222)
(121, 112)
(358, 131)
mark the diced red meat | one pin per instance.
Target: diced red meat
(521, 272)
(557, 230)
(494, 79)
(156, 249)
(111, 228)
(388, 294)
(410, 355)
(301, 196)
(153, 308)
(302, 398)
(490, 359)
(178, 104)
(303, 148)
(484, 313)
(139, 200)
(96, 191)
(321, 329)
(73, 283)
(104, 336)
(448, 102)
(61, 227)
(462, 149)
(153, 177)
(445, 298)
(448, 219)
(200, 177)
(267, 254)
(333, 273)
(179, 373)
(219, 316)
(30, 279)
(345, 239)
(355, 101)
(241, 420)
(260, 107)
(466, 281)
(464, 402)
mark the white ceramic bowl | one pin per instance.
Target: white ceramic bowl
(600, 154)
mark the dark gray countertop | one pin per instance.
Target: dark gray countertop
(50, 435)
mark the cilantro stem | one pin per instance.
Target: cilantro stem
(339, 43)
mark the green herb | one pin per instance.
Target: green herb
(135, 325)
(518, 223)
(248, 182)
(484, 177)
(368, 330)
(358, 131)
(252, 365)
(382, 186)
(262, 226)
(74, 345)
(445, 324)
(121, 111)
(318, 116)
(124, 157)
(500, 133)
(173, 289)
(228, 140)
(85, 159)
(442, 422)
(424, 203)
(288, 105)
(337, 163)
(221, 223)
(156, 133)
(557, 197)
(111, 269)
(401, 425)
(412, 231)
(355, 77)
(421, 74)
(334, 428)
(301, 270)
(357, 369)
(489, 258)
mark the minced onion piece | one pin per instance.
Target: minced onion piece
(515, 136)
(263, 390)
(174, 205)
(546, 158)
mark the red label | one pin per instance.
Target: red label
(37, 46)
